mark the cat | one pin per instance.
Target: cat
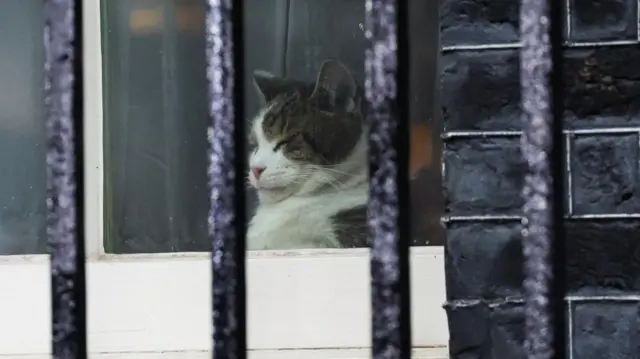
(308, 162)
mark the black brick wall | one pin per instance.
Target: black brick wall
(483, 178)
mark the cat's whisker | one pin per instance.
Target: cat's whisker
(332, 181)
(305, 174)
(327, 168)
(338, 172)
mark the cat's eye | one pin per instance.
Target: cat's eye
(295, 154)
(280, 144)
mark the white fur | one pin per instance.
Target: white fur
(290, 215)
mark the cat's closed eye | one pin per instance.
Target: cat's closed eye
(296, 154)
(280, 144)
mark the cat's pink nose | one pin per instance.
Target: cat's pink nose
(257, 171)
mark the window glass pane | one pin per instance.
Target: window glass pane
(426, 124)
(22, 131)
(307, 159)
(155, 126)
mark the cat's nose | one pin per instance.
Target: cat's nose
(257, 171)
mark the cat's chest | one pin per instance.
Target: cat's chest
(285, 228)
(299, 223)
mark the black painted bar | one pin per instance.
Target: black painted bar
(541, 34)
(557, 160)
(227, 155)
(386, 86)
(65, 189)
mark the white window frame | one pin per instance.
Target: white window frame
(301, 304)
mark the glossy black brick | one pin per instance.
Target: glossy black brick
(603, 20)
(481, 90)
(606, 330)
(483, 176)
(600, 330)
(602, 87)
(478, 22)
(603, 257)
(507, 331)
(469, 329)
(483, 260)
(482, 331)
(604, 174)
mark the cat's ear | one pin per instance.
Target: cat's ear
(269, 86)
(335, 88)
(266, 84)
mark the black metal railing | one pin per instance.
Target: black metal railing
(226, 137)
(541, 34)
(387, 93)
(386, 87)
(65, 189)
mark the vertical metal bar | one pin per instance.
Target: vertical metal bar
(541, 27)
(570, 306)
(65, 188)
(227, 156)
(568, 139)
(568, 33)
(387, 94)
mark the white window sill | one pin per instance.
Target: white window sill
(299, 304)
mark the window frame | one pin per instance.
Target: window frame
(159, 305)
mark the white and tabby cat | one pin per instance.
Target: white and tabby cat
(308, 162)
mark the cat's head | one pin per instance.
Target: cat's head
(308, 136)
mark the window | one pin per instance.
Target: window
(22, 191)
(147, 193)
(156, 113)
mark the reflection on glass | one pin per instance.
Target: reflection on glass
(155, 123)
(426, 188)
(308, 162)
(305, 118)
(22, 131)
